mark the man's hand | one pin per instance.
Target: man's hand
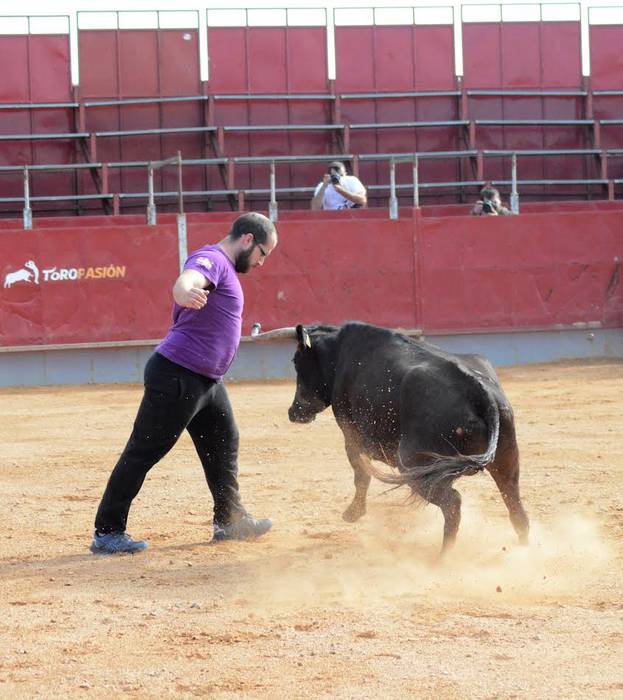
(318, 198)
(190, 290)
(479, 209)
(194, 298)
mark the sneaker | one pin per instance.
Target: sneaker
(116, 543)
(247, 528)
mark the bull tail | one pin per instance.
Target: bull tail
(436, 469)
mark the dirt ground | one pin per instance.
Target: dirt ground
(319, 608)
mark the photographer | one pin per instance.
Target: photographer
(339, 190)
(490, 204)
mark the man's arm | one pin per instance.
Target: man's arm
(359, 197)
(318, 198)
(191, 290)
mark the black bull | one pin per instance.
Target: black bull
(431, 415)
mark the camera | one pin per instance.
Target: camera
(335, 176)
(488, 207)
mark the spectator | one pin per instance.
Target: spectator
(339, 190)
(490, 204)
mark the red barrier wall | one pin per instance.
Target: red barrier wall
(534, 270)
(86, 285)
(454, 274)
(330, 270)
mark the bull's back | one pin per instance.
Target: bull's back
(389, 387)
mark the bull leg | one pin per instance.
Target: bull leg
(505, 472)
(444, 496)
(358, 461)
(448, 499)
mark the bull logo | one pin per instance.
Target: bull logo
(30, 270)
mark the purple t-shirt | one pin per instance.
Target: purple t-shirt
(206, 341)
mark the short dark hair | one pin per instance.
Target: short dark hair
(488, 192)
(259, 225)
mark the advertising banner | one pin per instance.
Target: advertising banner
(81, 286)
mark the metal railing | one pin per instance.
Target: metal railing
(273, 192)
(152, 166)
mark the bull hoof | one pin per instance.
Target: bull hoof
(354, 512)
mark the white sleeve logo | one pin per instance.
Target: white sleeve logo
(205, 262)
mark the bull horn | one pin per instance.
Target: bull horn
(284, 333)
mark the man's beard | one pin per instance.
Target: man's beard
(243, 260)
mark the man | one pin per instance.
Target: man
(339, 190)
(183, 389)
(490, 204)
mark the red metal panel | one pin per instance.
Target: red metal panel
(98, 78)
(227, 51)
(178, 61)
(15, 83)
(138, 63)
(306, 142)
(50, 79)
(266, 143)
(394, 58)
(307, 59)
(526, 271)
(143, 147)
(11, 184)
(530, 56)
(562, 58)
(267, 59)
(190, 145)
(482, 67)
(606, 72)
(521, 54)
(606, 57)
(354, 59)
(434, 58)
(127, 301)
(41, 64)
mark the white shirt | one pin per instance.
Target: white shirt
(334, 200)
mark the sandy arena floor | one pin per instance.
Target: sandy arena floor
(319, 608)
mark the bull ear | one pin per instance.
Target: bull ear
(303, 336)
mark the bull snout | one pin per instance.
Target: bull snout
(298, 414)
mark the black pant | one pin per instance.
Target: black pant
(176, 399)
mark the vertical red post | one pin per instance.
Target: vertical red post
(93, 147)
(480, 166)
(471, 138)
